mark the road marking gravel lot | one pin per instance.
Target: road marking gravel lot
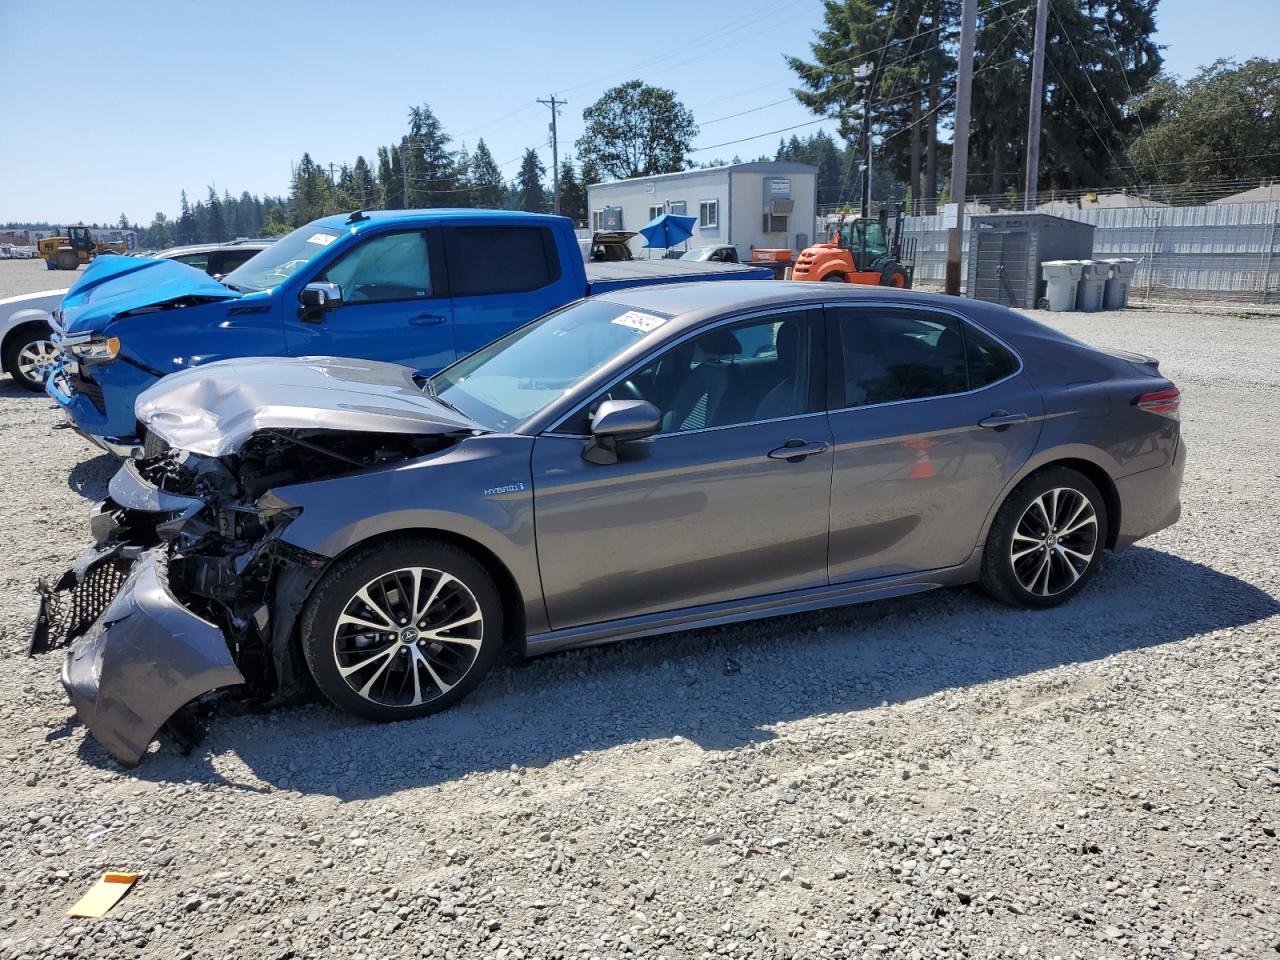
(936, 776)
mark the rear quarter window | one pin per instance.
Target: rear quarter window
(988, 360)
(495, 260)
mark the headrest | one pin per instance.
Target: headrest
(719, 343)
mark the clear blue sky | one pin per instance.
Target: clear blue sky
(117, 107)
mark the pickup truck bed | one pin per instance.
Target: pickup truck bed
(603, 277)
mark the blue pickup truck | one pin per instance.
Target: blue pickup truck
(417, 287)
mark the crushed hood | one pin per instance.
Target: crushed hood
(112, 285)
(213, 409)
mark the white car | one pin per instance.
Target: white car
(26, 350)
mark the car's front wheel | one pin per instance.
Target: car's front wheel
(1047, 539)
(402, 629)
(30, 357)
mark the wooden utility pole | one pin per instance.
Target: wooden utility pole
(555, 106)
(960, 143)
(1037, 101)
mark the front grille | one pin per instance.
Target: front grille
(71, 612)
(90, 388)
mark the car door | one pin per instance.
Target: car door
(729, 500)
(931, 418)
(394, 305)
(500, 278)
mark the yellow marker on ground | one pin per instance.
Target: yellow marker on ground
(103, 895)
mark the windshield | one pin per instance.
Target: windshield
(511, 379)
(282, 259)
(697, 253)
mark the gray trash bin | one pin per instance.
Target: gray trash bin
(1061, 278)
(1093, 279)
(1116, 295)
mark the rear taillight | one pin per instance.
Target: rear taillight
(1163, 402)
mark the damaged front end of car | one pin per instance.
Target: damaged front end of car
(189, 588)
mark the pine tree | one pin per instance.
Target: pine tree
(428, 162)
(532, 194)
(573, 195)
(487, 188)
(186, 232)
(390, 179)
(363, 191)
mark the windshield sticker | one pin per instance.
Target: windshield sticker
(644, 322)
(323, 239)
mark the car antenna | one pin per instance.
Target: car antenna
(357, 217)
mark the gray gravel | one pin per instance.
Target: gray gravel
(32, 276)
(929, 777)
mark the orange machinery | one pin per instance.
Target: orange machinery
(859, 250)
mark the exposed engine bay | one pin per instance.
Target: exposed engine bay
(189, 588)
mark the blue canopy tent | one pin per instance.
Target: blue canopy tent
(667, 229)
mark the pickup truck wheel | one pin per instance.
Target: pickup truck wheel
(30, 357)
(402, 630)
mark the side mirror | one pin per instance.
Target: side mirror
(318, 299)
(619, 420)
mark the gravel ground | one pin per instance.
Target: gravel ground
(32, 276)
(935, 776)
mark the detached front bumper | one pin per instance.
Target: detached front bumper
(142, 660)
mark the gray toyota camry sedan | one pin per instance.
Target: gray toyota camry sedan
(632, 464)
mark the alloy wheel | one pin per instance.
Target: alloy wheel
(1054, 542)
(408, 637)
(36, 360)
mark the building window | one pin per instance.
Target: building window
(775, 223)
(656, 210)
(679, 207)
(709, 213)
(596, 216)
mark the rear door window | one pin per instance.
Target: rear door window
(495, 260)
(891, 355)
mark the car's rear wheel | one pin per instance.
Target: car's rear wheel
(30, 357)
(1047, 539)
(403, 629)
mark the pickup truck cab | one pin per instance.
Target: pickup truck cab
(416, 287)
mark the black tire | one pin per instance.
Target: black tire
(152, 445)
(362, 651)
(890, 271)
(835, 278)
(20, 341)
(1005, 575)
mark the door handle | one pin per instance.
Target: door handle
(793, 451)
(427, 319)
(1000, 419)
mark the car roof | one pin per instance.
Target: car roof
(696, 302)
(373, 217)
(210, 247)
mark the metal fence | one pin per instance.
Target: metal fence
(1216, 251)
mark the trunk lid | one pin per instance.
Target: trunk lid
(212, 410)
(114, 285)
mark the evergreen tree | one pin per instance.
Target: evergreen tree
(573, 195)
(216, 228)
(186, 232)
(390, 179)
(363, 190)
(427, 160)
(487, 188)
(532, 194)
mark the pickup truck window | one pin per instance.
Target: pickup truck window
(282, 259)
(494, 260)
(393, 266)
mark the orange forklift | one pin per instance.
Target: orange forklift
(860, 250)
